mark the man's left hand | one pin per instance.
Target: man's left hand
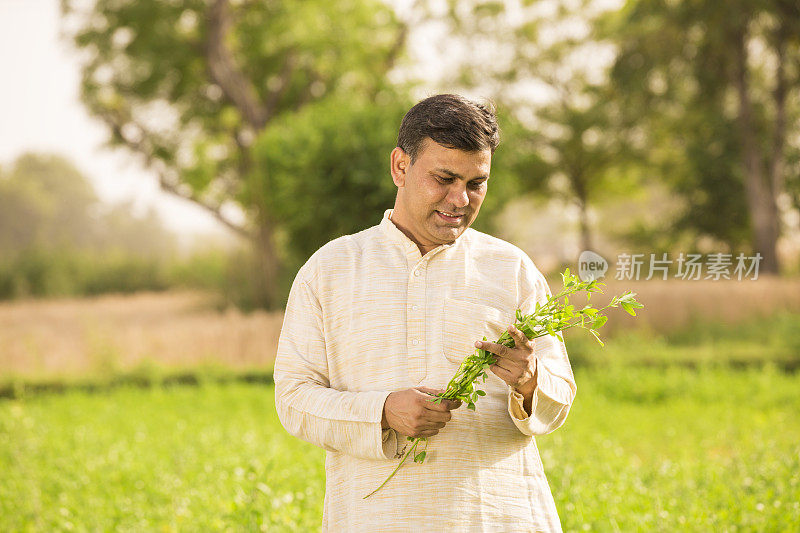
(516, 366)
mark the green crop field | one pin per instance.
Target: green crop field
(643, 450)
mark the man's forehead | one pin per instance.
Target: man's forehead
(447, 158)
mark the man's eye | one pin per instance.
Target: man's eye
(445, 180)
(476, 184)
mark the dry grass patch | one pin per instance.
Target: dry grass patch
(109, 334)
(674, 304)
(73, 337)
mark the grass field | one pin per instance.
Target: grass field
(642, 450)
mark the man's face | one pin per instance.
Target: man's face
(440, 194)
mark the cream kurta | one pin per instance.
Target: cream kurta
(368, 315)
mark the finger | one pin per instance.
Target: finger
(499, 350)
(436, 416)
(427, 427)
(443, 406)
(431, 396)
(453, 404)
(520, 340)
(430, 424)
(505, 364)
(428, 433)
(501, 373)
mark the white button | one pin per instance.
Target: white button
(415, 342)
(414, 307)
(417, 273)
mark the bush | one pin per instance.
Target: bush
(40, 272)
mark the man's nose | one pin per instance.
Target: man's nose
(457, 195)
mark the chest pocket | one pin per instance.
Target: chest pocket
(467, 322)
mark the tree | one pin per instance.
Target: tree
(56, 238)
(324, 171)
(717, 91)
(46, 203)
(190, 85)
(45, 200)
(567, 134)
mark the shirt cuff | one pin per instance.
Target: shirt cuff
(387, 439)
(547, 412)
(516, 406)
(516, 401)
(391, 441)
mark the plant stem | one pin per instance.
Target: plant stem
(405, 456)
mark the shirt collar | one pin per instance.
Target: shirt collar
(393, 232)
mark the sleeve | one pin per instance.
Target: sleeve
(342, 421)
(555, 382)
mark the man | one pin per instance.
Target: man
(379, 320)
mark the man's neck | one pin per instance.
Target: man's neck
(423, 249)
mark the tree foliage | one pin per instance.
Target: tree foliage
(540, 61)
(699, 97)
(191, 85)
(324, 170)
(44, 200)
(47, 203)
(56, 238)
(716, 93)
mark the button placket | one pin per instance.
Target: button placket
(416, 341)
(417, 359)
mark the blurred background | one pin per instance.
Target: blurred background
(167, 166)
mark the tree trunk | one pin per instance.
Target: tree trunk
(579, 189)
(776, 167)
(761, 202)
(268, 264)
(586, 232)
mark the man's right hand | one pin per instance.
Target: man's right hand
(411, 412)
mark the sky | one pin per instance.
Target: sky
(40, 110)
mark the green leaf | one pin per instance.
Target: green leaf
(471, 405)
(420, 457)
(627, 307)
(480, 392)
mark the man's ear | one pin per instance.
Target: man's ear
(398, 165)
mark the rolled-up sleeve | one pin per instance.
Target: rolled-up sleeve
(555, 382)
(342, 421)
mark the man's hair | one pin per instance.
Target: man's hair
(452, 121)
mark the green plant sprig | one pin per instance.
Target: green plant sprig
(550, 318)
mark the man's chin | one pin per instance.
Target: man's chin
(449, 233)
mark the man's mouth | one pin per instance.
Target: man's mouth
(450, 217)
